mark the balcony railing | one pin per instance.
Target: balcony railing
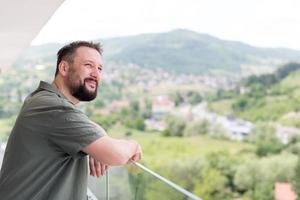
(136, 182)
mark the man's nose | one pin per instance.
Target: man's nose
(96, 73)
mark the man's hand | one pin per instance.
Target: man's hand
(97, 169)
(137, 155)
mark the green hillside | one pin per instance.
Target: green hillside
(180, 51)
(189, 52)
(266, 100)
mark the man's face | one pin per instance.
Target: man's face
(85, 74)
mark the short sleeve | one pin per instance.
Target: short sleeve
(73, 131)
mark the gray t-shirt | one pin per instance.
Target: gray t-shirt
(43, 157)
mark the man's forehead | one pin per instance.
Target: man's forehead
(88, 54)
(86, 51)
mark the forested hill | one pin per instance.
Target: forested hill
(271, 97)
(180, 51)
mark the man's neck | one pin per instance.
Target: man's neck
(64, 90)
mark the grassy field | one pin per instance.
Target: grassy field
(159, 149)
(222, 107)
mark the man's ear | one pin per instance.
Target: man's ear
(63, 67)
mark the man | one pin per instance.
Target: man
(45, 157)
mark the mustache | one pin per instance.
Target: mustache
(91, 79)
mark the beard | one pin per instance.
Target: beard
(83, 94)
(78, 89)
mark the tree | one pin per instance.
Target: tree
(241, 104)
(99, 103)
(133, 116)
(294, 145)
(218, 131)
(193, 97)
(139, 124)
(134, 107)
(147, 109)
(212, 185)
(197, 127)
(296, 181)
(106, 121)
(257, 177)
(175, 126)
(286, 69)
(257, 90)
(225, 164)
(177, 98)
(262, 191)
(265, 140)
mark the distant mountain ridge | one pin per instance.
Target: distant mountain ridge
(180, 51)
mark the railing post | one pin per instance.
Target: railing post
(107, 185)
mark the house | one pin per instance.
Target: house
(285, 133)
(236, 129)
(152, 124)
(162, 105)
(284, 191)
(112, 107)
(184, 111)
(118, 105)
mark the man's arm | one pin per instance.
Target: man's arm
(114, 151)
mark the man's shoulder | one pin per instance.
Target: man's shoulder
(46, 99)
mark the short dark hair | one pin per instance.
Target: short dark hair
(67, 52)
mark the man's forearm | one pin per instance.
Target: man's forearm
(114, 151)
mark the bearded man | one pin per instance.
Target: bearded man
(46, 154)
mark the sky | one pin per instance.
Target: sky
(262, 23)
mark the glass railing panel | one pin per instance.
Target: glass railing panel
(97, 186)
(134, 183)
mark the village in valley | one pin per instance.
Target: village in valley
(135, 79)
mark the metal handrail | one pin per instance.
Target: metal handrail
(107, 184)
(161, 178)
(168, 182)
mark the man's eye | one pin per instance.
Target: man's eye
(99, 69)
